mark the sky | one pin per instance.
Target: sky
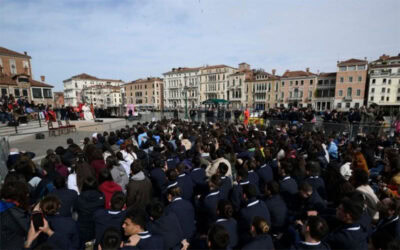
(127, 40)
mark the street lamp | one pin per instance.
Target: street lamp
(185, 89)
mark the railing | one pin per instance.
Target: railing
(348, 98)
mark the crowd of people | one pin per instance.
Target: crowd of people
(175, 184)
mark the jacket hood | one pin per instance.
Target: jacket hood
(4, 205)
(92, 195)
(138, 177)
(110, 187)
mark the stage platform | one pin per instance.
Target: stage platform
(29, 130)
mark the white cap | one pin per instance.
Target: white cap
(94, 135)
(346, 171)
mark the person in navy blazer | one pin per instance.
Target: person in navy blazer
(218, 238)
(307, 200)
(135, 227)
(208, 203)
(261, 239)
(198, 175)
(288, 185)
(158, 177)
(183, 209)
(253, 208)
(165, 225)
(226, 182)
(114, 217)
(67, 196)
(388, 226)
(349, 235)
(237, 190)
(253, 176)
(265, 174)
(64, 226)
(313, 171)
(276, 206)
(225, 219)
(314, 230)
(185, 182)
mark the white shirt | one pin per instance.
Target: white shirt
(71, 183)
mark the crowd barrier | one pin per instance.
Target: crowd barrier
(4, 150)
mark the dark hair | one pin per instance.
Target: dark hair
(105, 175)
(250, 191)
(70, 141)
(313, 167)
(215, 180)
(273, 187)
(172, 175)
(305, 187)
(118, 200)
(218, 237)
(242, 172)
(50, 205)
(360, 177)
(318, 227)
(138, 216)
(17, 191)
(89, 183)
(223, 169)
(155, 209)
(260, 225)
(59, 182)
(354, 208)
(111, 239)
(225, 209)
(136, 167)
(175, 191)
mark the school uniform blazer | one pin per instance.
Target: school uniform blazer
(318, 184)
(226, 186)
(278, 211)
(263, 241)
(150, 241)
(255, 180)
(168, 227)
(104, 218)
(209, 205)
(254, 208)
(66, 227)
(265, 174)
(289, 188)
(231, 227)
(386, 230)
(237, 194)
(68, 200)
(199, 178)
(159, 180)
(348, 237)
(184, 210)
(302, 245)
(186, 184)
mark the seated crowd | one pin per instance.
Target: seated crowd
(175, 184)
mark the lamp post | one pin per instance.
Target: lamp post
(185, 89)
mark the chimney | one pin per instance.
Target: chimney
(308, 70)
(273, 71)
(25, 53)
(42, 78)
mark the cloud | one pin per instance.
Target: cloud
(131, 39)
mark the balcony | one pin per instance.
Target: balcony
(348, 98)
(295, 98)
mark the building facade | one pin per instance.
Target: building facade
(16, 78)
(297, 88)
(384, 82)
(324, 97)
(58, 99)
(239, 87)
(214, 81)
(76, 87)
(182, 85)
(145, 93)
(351, 79)
(264, 90)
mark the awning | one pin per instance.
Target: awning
(215, 101)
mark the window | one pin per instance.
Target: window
(360, 78)
(384, 80)
(382, 98)
(350, 79)
(16, 93)
(372, 99)
(37, 93)
(25, 92)
(302, 82)
(387, 98)
(311, 82)
(297, 83)
(358, 92)
(398, 98)
(383, 90)
(361, 67)
(342, 68)
(320, 82)
(341, 79)
(388, 90)
(389, 81)
(283, 84)
(25, 65)
(13, 67)
(352, 68)
(340, 92)
(47, 93)
(373, 90)
(349, 92)
(398, 90)
(347, 105)
(373, 81)
(4, 92)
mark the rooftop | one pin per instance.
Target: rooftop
(352, 61)
(7, 52)
(298, 73)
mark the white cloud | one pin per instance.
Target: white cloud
(131, 39)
